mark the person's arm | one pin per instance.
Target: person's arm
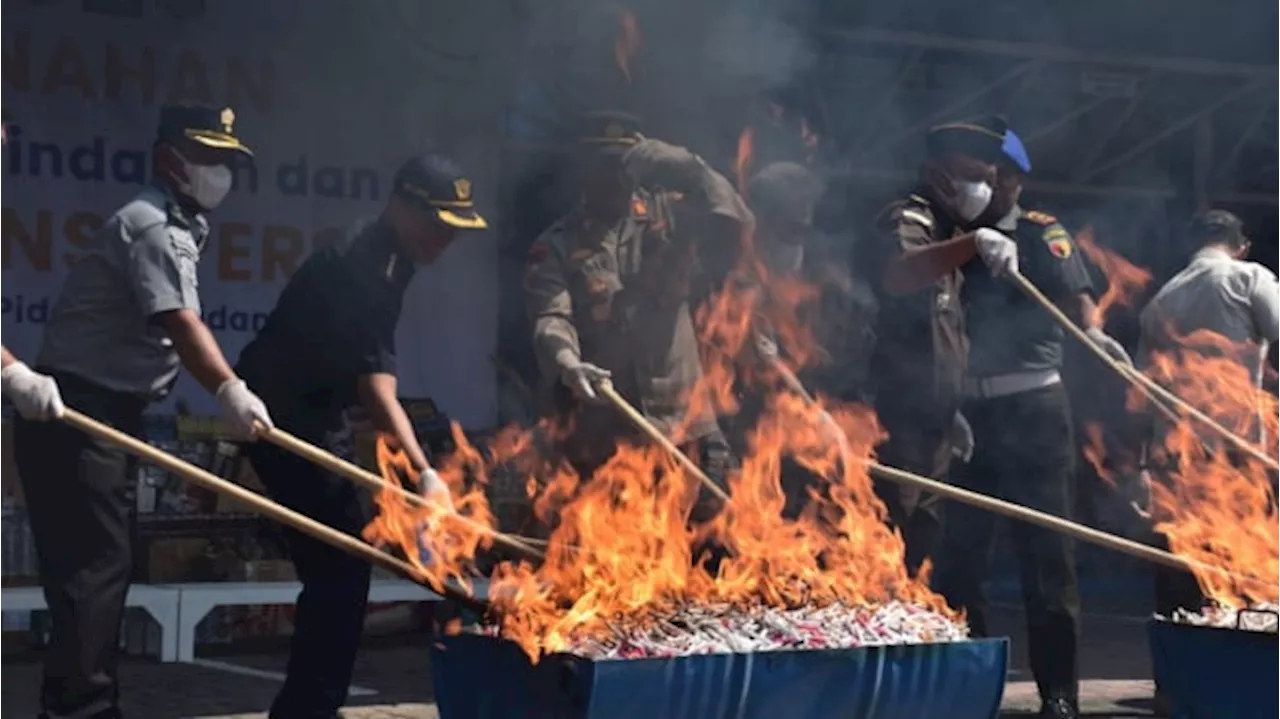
(378, 397)
(1262, 305)
(197, 348)
(919, 266)
(550, 308)
(35, 396)
(6, 357)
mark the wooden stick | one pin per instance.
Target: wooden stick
(359, 475)
(1017, 511)
(1149, 387)
(267, 508)
(643, 423)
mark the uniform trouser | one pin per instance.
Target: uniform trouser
(330, 612)
(77, 491)
(916, 514)
(1024, 453)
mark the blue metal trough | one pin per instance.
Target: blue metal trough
(1215, 672)
(484, 678)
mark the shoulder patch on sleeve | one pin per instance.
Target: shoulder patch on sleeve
(1059, 241)
(1040, 218)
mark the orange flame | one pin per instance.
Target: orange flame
(628, 43)
(622, 551)
(1214, 506)
(742, 161)
(1124, 279)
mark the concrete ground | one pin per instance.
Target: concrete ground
(393, 678)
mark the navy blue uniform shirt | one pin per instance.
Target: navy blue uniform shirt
(1008, 331)
(334, 322)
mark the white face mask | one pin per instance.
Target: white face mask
(208, 185)
(972, 198)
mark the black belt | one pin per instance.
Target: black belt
(88, 396)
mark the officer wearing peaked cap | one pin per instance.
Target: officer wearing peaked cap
(127, 318)
(1024, 449)
(607, 288)
(921, 343)
(327, 350)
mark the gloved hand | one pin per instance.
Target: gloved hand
(431, 487)
(653, 163)
(35, 396)
(1110, 345)
(242, 409)
(961, 438)
(582, 379)
(998, 252)
(766, 347)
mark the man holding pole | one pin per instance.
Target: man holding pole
(1023, 445)
(328, 346)
(1221, 293)
(608, 286)
(127, 319)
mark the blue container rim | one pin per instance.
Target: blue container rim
(1242, 634)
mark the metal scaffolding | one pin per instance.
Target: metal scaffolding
(1095, 123)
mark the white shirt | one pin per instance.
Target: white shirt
(1216, 292)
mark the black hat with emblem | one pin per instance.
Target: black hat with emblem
(609, 131)
(982, 139)
(436, 184)
(208, 125)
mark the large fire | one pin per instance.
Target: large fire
(1124, 279)
(1216, 506)
(622, 551)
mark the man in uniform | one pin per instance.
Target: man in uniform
(329, 345)
(1023, 446)
(127, 319)
(783, 197)
(608, 286)
(921, 347)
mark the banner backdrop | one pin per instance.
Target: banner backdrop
(328, 122)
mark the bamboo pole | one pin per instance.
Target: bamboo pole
(1017, 511)
(1149, 387)
(361, 476)
(644, 425)
(267, 508)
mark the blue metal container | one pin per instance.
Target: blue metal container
(484, 678)
(1212, 672)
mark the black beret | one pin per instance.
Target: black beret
(982, 139)
(609, 129)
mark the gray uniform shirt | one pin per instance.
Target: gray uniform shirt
(1216, 292)
(141, 262)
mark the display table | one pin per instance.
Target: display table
(161, 602)
(197, 600)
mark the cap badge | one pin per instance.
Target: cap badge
(227, 118)
(462, 187)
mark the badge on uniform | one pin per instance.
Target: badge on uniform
(1059, 242)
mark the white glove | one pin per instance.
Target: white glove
(242, 409)
(961, 438)
(1127, 511)
(998, 252)
(430, 486)
(1113, 348)
(582, 379)
(34, 395)
(766, 347)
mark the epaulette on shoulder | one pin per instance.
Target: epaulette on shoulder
(1040, 218)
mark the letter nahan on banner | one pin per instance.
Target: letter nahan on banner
(45, 240)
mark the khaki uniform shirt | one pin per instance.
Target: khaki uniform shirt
(617, 296)
(921, 344)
